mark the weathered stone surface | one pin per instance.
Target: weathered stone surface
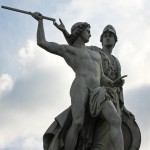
(97, 118)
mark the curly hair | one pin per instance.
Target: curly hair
(76, 30)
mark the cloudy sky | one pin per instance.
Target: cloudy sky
(34, 85)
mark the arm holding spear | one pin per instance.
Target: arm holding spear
(26, 12)
(60, 26)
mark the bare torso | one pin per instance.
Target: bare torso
(88, 69)
(86, 65)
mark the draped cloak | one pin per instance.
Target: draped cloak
(54, 137)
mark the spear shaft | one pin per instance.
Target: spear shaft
(26, 12)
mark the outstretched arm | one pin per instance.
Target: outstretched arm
(41, 41)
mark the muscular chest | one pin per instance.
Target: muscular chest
(87, 57)
(79, 55)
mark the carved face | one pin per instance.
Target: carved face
(86, 34)
(108, 39)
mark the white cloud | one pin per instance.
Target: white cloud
(42, 90)
(31, 143)
(6, 83)
(43, 87)
(135, 60)
(137, 101)
(27, 53)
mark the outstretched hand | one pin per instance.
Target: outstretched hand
(120, 81)
(60, 26)
(38, 16)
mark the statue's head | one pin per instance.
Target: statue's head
(111, 29)
(77, 30)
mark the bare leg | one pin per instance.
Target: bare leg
(111, 116)
(79, 97)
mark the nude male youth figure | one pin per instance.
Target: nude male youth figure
(87, 66)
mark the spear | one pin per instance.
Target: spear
(26, 12)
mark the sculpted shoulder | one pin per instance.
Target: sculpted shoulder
(94, 48)
(71, 49)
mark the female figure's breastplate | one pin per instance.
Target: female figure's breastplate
(110, 66)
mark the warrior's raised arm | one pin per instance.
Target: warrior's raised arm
(26, 12)
(41, 40)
